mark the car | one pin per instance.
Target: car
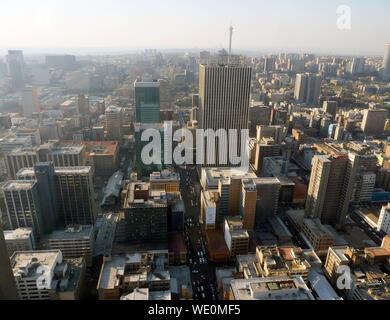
(195, 271)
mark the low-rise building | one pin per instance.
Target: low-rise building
(122, 274)
(21, 239)
(319, 237)
(45, 275)
(270, 288)
(75, 241)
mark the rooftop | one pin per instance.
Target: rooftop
(271, 288)
(20, 233)
(19, 185)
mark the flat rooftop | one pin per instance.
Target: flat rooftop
(19, 185)
(271, 288)
(17, 234)
(30, 264)
(84, 232)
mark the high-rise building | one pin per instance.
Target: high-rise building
(7, 282)
(267, 198)
(16, 68)
(307, 88)
(146, 214)
(82, 104)
(248, 203)
(224, 92)
(330, 107)
(147, 101)
(66, 155)
(20, 158)
(327, 198)
(23, 206)
(75, 194)
(30, 101)
(114, 123)
(386, 60)
(44, 174)
(269, 64)
(374, 121)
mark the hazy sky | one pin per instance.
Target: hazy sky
(294, 25)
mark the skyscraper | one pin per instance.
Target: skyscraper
(7, 282)
(114, 123)
(327, 198)
(75, 193)
(307, 88)
(147, 101)
(30, 101)
(23, 205)
(16, 68)
(224, 92)
(386, 60)
(374, 121)
(82, 104)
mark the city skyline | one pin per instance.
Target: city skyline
(44, 27)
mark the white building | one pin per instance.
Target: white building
(21, 239)
(34, 271)
(384, 219)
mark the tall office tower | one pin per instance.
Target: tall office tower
(7, 282)
(374, 121)
(166, 99)
(204, 57)
(82, 104)
(267, 198)
(147, 101)
(20, 158)
(44, 174)
(307, 88)
(16, 68)
(258, 115)
(356, 66)
(75, 195)
(224, 92)
(330, 107)
(326, 198)
(360, 178)
(269, 64)
(386, 60)
(23, 206)
(248, 203)
(67, 155)
(114, 123)
(266, 147)
(30, 101)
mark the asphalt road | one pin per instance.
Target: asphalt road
(202, 274)
(190, 191)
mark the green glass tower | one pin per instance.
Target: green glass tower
(147, 101)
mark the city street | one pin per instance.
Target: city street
(202, 270)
